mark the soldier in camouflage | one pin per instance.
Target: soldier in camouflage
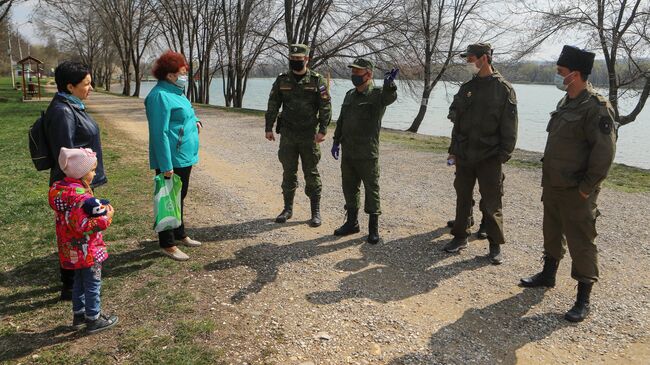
(357, 131)
(304, 98)
(484, 113)
(579, 152)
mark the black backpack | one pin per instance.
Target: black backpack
(38, 146)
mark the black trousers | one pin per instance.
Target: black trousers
(67, 278)
(166, 238)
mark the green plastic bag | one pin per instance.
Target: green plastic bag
(167, 202)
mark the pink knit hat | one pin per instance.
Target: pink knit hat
(76, 162)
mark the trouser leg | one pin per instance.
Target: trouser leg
(490, 178)
(464, 184)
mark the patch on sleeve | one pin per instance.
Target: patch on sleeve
(324, 94)
(605, 125)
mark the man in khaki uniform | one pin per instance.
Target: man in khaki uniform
(579, 152)
(484, 113)
(304, 98)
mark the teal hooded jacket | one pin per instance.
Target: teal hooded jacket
(173, 134)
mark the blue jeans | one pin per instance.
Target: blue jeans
(85, 291)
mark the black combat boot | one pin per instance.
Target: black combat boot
(495, 253)
(315, 220)
(580, 309)
(481, 234)
(373, 229)
(456, 245)
(544, 278)
(287, 212)
(351, 224)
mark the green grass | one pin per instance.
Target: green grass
(27, 221)
(188, 330)
(629, 179)
(29, 274)
(416, 141)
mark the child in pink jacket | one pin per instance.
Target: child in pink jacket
(80, 220)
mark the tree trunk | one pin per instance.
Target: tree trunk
(625, 119)
(138, 81)
(126, 78)
(415, 126)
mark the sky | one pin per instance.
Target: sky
(22, 12)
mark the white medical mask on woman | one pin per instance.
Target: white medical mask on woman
(181, 81)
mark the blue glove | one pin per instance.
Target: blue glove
(390, 76)
(336, 149)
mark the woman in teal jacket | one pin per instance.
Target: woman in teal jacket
(173, 138)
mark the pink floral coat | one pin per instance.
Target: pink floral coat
(78, 236)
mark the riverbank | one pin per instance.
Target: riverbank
(263, 293)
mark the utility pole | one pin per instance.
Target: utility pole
(11, 59)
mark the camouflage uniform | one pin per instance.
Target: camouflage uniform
(306, 110)
(357, 130)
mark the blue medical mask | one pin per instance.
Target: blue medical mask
(559, 82)
(181, 81)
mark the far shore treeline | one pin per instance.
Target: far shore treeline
(233, 41)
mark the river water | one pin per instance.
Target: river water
(535, 102)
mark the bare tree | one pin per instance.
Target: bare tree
(76, 30)
(5, 6)
(210, 31)
(132, 28)
(195, 27)
(344, 28)
(619, 28)
(247, 26)
(430, 34)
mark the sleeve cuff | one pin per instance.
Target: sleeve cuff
(585, 188)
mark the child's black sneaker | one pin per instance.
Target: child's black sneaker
(102, 323)
(78, 321)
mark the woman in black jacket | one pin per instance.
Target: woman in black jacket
(68, 125)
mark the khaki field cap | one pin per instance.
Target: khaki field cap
(298, 50)
(362, 64)
(478, 50)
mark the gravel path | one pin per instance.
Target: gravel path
(290, 294)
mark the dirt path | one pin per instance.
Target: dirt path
(290, 294)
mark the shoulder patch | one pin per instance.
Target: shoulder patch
(605, 125)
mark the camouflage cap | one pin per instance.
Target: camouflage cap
(298, 50)
(478, 50)
(362, 63)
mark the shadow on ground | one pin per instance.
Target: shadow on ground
(400, 269)
(36, 283)
(237, 231)
(266, 259)
(489, 335)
